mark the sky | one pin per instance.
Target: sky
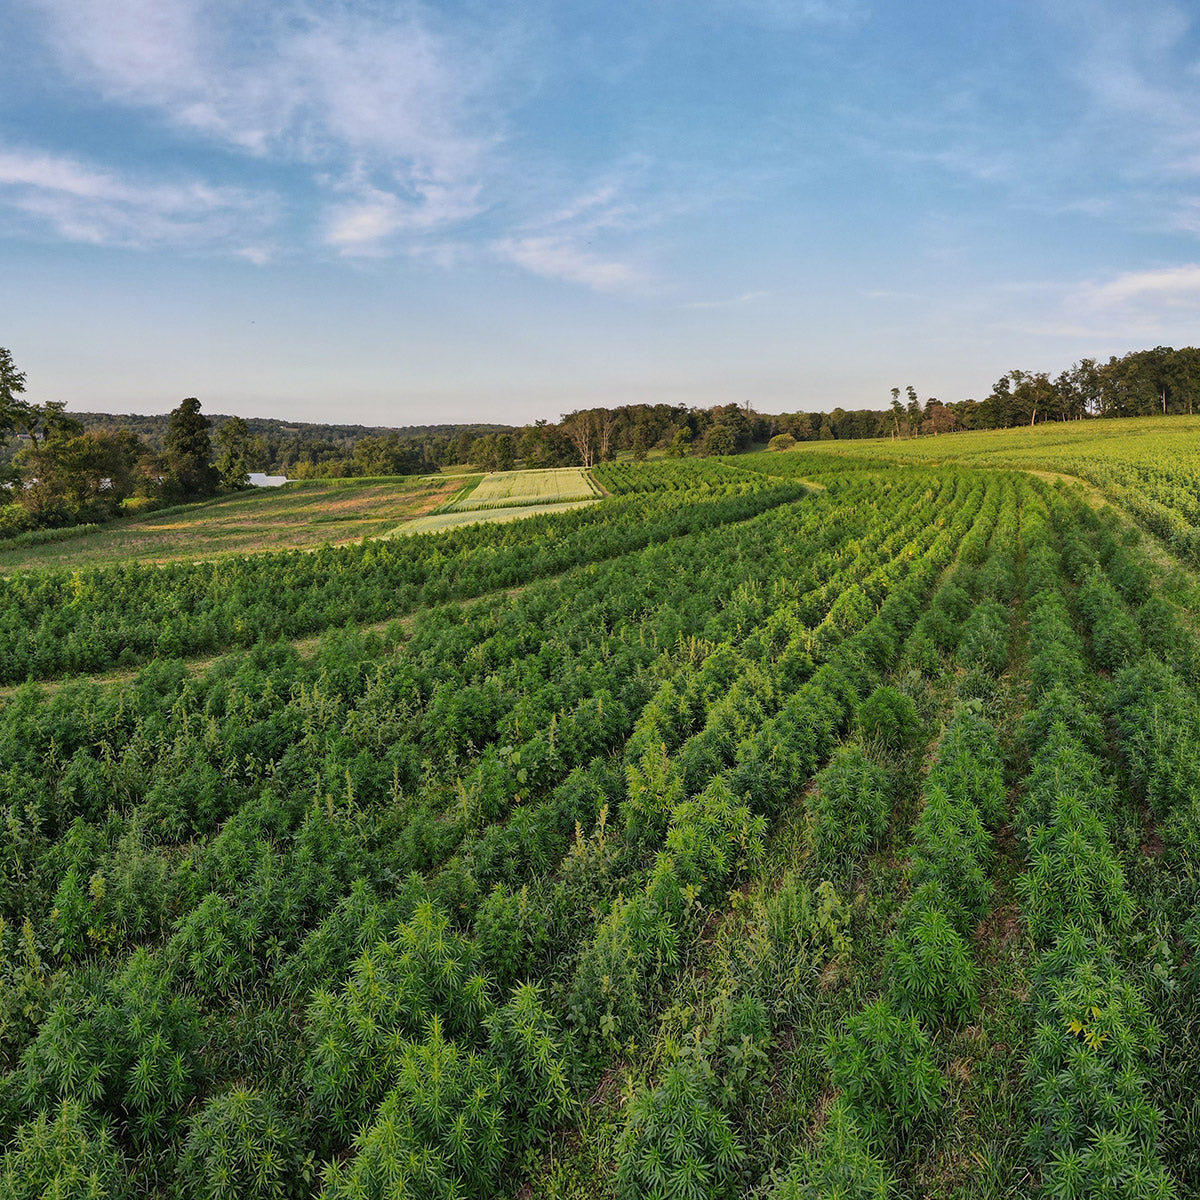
(404, 213)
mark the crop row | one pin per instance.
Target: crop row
(62, 621)
(637, 944)
(684, 1129)
(278, 902)
(882, 1059)
(1093, 1130)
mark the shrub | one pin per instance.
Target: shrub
(883, 1063)
(126, 1045)
(889, 719)
(394, 990)
(439, 1133)
(240, 1144)
(1074, 874)
(605, 999)
(676, 1144)
(524, 1045)
(1094, 1129)
(952, 850)
(510, 933)
(985, 637)
(64, 1158)
(850, 808)
(933, 975)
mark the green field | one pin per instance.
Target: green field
(297, 515)
(504, 489)
(455, 517)
(805, 824)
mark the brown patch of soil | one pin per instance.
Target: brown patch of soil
(1000, 927)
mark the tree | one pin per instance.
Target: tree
(939, 418)
(915, 411)
(681, 443)
(720, 439)
(12, 385)
(504, 452)
(999, 404)
(580, 429)
(189, 452)
(733, 418)
(606, 424)
(42, 423)
(233, 453)
(483, 452)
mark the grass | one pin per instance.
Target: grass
(1048, 445)
(436, 522)
(509, 488)
(296, 516)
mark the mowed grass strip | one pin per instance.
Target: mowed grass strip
(300, 515)
(508, 488)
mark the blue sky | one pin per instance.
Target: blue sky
(405, 213)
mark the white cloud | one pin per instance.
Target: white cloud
(258, 255)
(1171, 286)
(83, 203)
(364, 223)
(354, 97)
(556, 256)
(1154, 306)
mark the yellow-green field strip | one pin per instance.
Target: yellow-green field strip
(436, 522)
(507, 489)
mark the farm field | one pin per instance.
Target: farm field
(297, 516)
(1149, 466)
(508, 488)
(805, 824)
(454, 517)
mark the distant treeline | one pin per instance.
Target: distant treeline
(63, 468)
(296, 448)
(1143, 383)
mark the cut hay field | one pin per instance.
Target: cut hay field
(299, 515)
(509, 488)
(492, 514)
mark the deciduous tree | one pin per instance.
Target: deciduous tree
(189, 452)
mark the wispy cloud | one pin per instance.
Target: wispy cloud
(82, 203)
(732, 302)
(591, 237)
(383, 103)
(1150, 306)
(1134, 64)
(1175, 287)
(557, 256)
